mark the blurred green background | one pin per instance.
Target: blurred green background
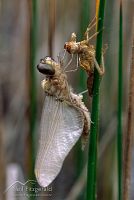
(30, 30)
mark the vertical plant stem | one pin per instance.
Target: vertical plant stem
(129, 134)
(119, 133)
(84, 17)
(32, 91)
(92, 155)
(84, 23)
(33, 80)
(52, 15)
(79, 155)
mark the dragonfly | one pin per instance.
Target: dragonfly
(85, 55)
(64, 120)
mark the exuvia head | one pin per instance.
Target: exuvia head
(46, 66)
(72, 46)
(67, 46)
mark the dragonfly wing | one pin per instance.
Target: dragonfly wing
(61, 127)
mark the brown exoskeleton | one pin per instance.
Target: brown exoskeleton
(85, 55)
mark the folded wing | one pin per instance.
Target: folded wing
(61, 127)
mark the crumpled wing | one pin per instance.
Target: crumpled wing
(61, 127)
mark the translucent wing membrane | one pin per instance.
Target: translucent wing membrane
(61, 127)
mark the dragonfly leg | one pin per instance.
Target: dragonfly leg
(77, 65)
(101, 70)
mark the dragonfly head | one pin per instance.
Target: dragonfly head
(46, 66)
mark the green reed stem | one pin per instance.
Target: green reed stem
(33, 91)
(84, 21)
(80, 155)
(93, 144)
(119, 129)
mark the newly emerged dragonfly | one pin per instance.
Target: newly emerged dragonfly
(64, 119)
(85, 55)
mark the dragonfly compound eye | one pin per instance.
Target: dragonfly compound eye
(46, 69)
